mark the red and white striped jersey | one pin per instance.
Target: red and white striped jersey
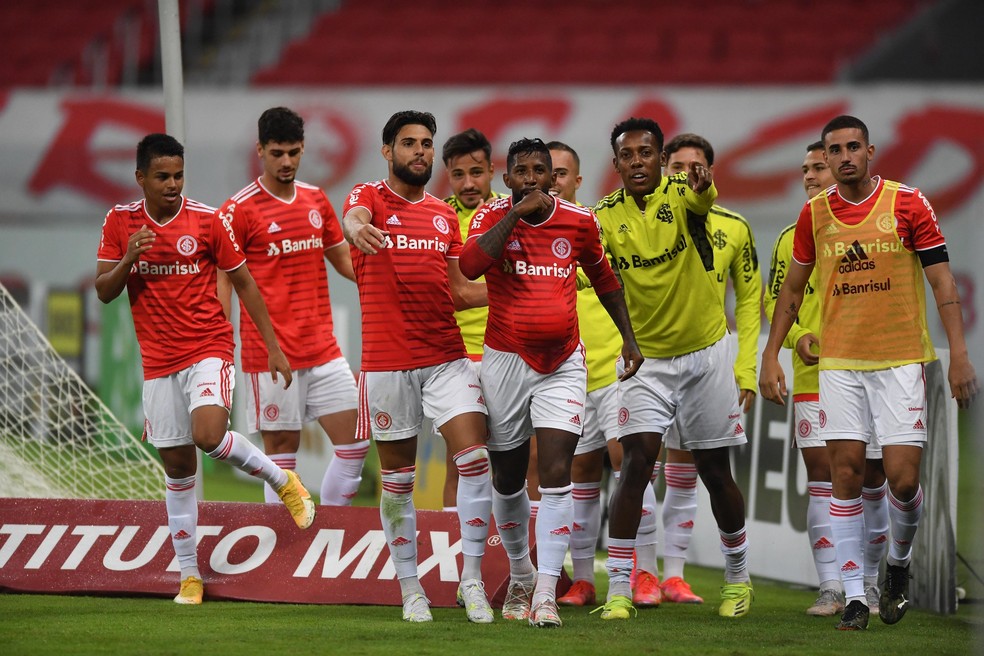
(176, 313)
(285, 244)
(532, 289)
(407, 309)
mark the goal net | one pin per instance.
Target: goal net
(57, 438)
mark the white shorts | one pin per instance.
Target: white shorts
(696, 391)
(476, 366)
(887, 406)
(392, 404)
(600, 419)
(521, 399)
(806, 418)
(169, 401)
(317, 391)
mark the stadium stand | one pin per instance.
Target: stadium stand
(378, 42)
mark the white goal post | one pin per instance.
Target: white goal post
(57, 438)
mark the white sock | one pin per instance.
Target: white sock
(820, 535)
(553, 529)
(619, 566)
(399, 519)
(734, 546)
(904, 517)
(343, 474)
(876, 522)
(646, 536)
(239, 452)
(284, 461)
(847, 526)
(679, 512)
(512, 519)
(474, 499)
(587, 525)
(182, 522)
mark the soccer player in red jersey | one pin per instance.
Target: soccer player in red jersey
(405, 248)
(871, 241)
(164, 250)
(804, 339)
(533, 371)
(287, 228)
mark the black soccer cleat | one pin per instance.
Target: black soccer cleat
(855, 617)
(894, 597)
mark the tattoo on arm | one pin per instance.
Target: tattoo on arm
(493, 242)
(792, 311)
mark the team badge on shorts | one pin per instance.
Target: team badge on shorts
(315, 218)
(442, 225)
(187, 245)
(382, 420)
(623, 416)
(804, 428)
(271, 412)
(823, 419)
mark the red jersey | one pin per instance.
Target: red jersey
(407, 309)
(914, 221)
(285, 244)
(532, 289)
(176, 313)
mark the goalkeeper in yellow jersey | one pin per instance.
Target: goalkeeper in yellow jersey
(735, 257)
(804, 339)
(655, 234)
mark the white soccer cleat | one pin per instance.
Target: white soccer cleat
(545, 615)
(517, 603)
(416, 608)
(828, 604)
(471, 596)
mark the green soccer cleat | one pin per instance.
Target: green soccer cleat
(736, 599)
(618, 607)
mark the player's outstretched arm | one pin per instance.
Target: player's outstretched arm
(111, 277)
(361, 233)
(962, 377)
(772, 380)
(249, 293)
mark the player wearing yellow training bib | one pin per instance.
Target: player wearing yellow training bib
(868, 239)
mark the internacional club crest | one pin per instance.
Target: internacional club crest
(315, 218)
(441, 224)
(561, 248)
(187, 245)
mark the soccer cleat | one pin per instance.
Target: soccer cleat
(517, 603)
(828, 603)
(191, 591)
(617, 608)
(545, 615)
(873, 596)
(416, 608)
(893, 602)
(855, 617)
(582, 593)
(647, 592)
(736, 599)
(471, 597)
(678, 591)
(297, 499)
